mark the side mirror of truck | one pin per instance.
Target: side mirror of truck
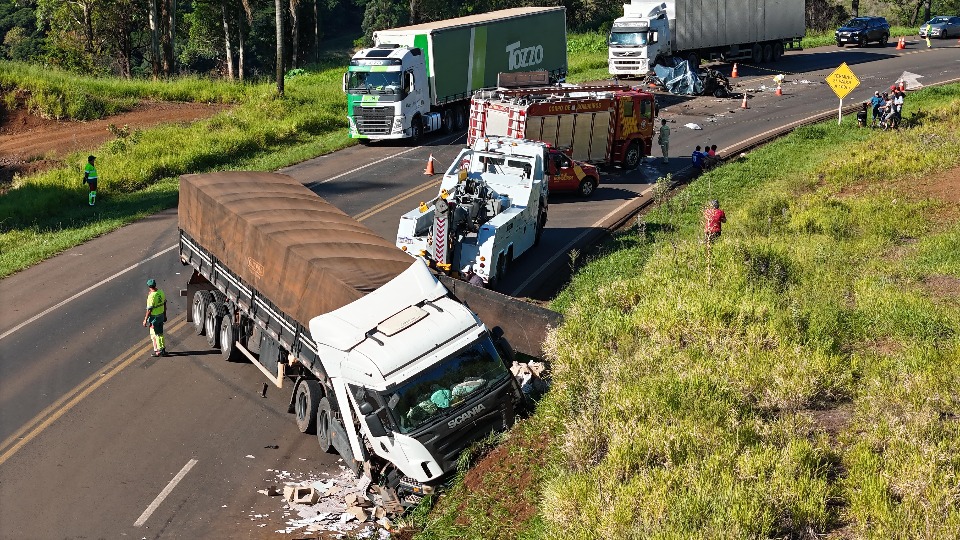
(496, 333)
(345, 77)
(366, 408)
(375, 425)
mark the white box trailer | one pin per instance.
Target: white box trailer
(651, 33)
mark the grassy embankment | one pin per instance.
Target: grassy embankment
(46, 213)
(798, 379)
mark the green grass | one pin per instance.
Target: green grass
(46, 213)
(797, 380)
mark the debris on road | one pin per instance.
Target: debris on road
(328, 503)
(691, 125)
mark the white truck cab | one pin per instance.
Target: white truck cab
(639, 37)
(411, 368)
(387, 89)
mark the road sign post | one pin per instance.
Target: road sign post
(842, 81)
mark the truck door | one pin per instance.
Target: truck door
(562, 177)
(646, 119)
(627, 114)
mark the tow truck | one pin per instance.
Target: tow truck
(491, 209)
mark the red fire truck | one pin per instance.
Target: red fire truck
(610, 125)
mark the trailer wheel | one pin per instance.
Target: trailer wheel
(324, 419)
(199, 310)
(756, 53)
(448, 119)
(693, 59)
(461, 115)
(632, 158)
(214, 315)
(228, 339)
(777, 51)
(767, 53)
(305, 405)
(587, 186)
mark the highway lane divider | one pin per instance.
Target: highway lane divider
(366, 214)
(52, 413)
(85, 291)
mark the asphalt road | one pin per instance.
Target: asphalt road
(94, 431)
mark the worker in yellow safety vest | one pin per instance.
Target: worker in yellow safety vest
(90, 178)
(155, 316)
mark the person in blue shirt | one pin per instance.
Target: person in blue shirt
(875, 102)
(697, 159)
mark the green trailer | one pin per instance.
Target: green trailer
(420, 78)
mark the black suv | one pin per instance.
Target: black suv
(863, 30)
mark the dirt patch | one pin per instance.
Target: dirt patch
(504, 479)
(831, 421)
(946, 288)
(30, 144)
(943, 186)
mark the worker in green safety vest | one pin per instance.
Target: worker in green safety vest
(90, 178)
(155, 316)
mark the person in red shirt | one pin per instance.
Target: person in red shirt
(713, 218)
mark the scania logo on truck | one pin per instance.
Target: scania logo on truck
(465, 416)
(525, 57)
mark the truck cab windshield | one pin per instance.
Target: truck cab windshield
(628, 39)
(375, 82)
(445, 386)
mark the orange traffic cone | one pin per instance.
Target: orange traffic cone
(429, 170)
(779, 90)
(734, 75)
(900, 44)
(744, 104)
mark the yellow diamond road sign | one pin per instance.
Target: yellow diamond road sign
(843, 81)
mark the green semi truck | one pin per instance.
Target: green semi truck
(417, 79)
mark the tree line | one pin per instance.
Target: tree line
(237, 39)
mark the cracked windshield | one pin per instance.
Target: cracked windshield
(370, 82)
(445, 386)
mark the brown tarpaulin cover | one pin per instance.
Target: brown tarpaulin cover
(298, 250)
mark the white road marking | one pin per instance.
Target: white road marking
(163, 494)
(85, 291)
(311, 185)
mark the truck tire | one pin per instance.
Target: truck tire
(767, 53)
(324, 429)
(541, 223)
(631, 159)
(587, 186)
(417, 128)
(199, 311)
(228, 339)
(214, 316)
(449, 120)
(777, 51)
(462, 112)
(305, 405)
(756, 53)
(694, 60)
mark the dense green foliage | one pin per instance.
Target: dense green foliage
(795, 380)
(237, 38)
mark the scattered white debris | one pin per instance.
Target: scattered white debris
(691, 125)
(331, 503)
(251, 456)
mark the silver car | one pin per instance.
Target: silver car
(941, 27)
